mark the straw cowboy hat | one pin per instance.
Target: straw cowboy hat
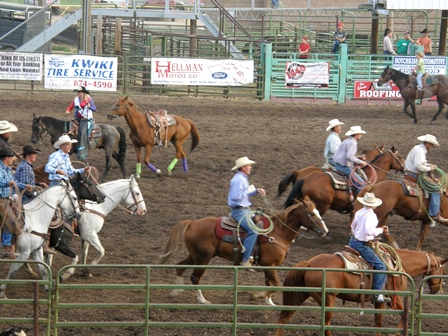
(334, 123)
(7, 127)
(29, 149)
(355, 130)
(429, 138)
(241, 162)
(62, 140)
(4, 152)
(370, 200)
(82, 89)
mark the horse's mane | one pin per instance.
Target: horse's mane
(398, 74)
(130, 102)
(307, 202)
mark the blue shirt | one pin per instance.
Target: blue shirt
(238, 193)
(25, 174)
(60, 161)
(346, 153)
(7, 176)
(331, 145)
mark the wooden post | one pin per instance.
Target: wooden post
(99, 35)
(374, 35)
(443, 28)
(118, 31)
(193, 38)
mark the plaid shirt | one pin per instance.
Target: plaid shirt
(25, 174)
(60, 161)
(7, 176)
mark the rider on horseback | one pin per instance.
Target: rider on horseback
(333, 141)
(420, 70)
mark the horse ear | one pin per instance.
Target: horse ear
(393, 149)
(444, 261)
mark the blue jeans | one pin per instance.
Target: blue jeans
(369, 255)
(419, 80)
(6, 236)
(274, 3)
(240, 215)
(434, 199)
(336, 45)
(347, 171)
(330, 161)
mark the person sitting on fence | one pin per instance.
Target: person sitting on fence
(340, 36)
(304, 48)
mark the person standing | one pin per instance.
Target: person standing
(59, 166)
(416, 164)
(364, 230)
(420, 70)
(304, 48)
(426, 42)
(6, 128)
(239, 202)
(345, 157)
(340, 36)
(84, 106)
(333, 141)
(388, 46)
(404, 44)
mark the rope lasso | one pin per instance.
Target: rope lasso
(380, 248)
(433, 185)
(361, 182)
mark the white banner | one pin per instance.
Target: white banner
(307, 75)
(181, 71)
(20, 66)
(68, 72)
(434, 65)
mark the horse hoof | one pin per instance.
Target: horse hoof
(137, 176)
(158, 172)
(169, 173)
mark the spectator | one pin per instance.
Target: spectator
(426, 42)
(388, 46)
(404, 44)
(340, 36)
(304, 48)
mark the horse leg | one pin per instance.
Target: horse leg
(30, 271)
(38, 255)
(423, 232)
(294, 299)
(441, 106)
(138, 165)
(84, 252)
(180, 154)
(179, 272)
(329, 302)
(12, 270)
(70, 271)
(195, 278)
(270, 279)
(406, 106)
(414, 113)
(108, 165)
(148, 150)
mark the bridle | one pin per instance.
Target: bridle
(41, 130)
(394, 156)
(438, 265)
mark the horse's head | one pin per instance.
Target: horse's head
(435, 267)
(306, 214)
(119, 108)
(86, 189)
(398, 163)
(37, 129)
(385, 76)
(134, 201)
(69, 203)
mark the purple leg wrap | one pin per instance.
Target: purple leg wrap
(185, 164)
(150, 166)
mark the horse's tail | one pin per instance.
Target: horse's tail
(121, 146)
(176, 237)
(194, 135)
(295, 279)
(296, 193)
(289, 178)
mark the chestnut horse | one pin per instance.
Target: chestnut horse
(433, 86)
(414, 264)
(318, 186)
(295, 175)
(202, 243)
(397, 202)
(142, 134)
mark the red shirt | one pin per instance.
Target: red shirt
(304, 47)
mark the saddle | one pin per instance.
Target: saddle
(338, 180)
(95, 131)
(160, 120)
(411, 188)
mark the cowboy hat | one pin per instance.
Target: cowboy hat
(334, 123)
(355, 130)
(4, 152)
(82, 89)
(29, 149)
(62, 140)
(241, 162)
(424, 31)
(429, 138)
(370, 200)
(7, 127)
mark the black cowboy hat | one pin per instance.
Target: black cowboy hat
(29, 149)
(4, 152)
(424, 31)
(82, 89)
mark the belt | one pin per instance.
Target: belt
(238, 207)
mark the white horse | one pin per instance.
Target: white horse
(38, 215)
(124, 192)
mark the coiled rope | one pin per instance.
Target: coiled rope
(382, 248)
(363, 182)
(433, 185)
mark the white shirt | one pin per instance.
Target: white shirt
(416, 160)
(331, 145)
(364, 225)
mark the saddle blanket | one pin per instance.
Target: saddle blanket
(225, 232)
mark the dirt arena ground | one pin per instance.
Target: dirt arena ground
(278, 136)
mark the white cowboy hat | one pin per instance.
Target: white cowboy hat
(241, 162)
(62, 140)
(334, 123)
(429, 138)
(355, 130)
(370, 200)
(7, 127)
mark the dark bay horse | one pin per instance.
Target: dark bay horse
(202, 243)
(318, 186)
(295, 175)
(414, 264)
(395, 201)
(433, 86)
(112, 140)
(142, 134)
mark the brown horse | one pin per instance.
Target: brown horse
(414, 264)
(318, 186)
(202, 244)
(142, 134)
(432, 86)
(397, 202)
(295, 175)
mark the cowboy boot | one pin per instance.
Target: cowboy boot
(47, 249)
(442, 220)
(419, 93)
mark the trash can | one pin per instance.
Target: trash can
(415, 48)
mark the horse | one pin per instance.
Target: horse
(13, 332)
(395, 201)
(38, 215)
(124, 193)
(202, 244)
(295, 175)
(143, 134)
(318, 186)
(112, 139)
(433, 86)
(414, 263)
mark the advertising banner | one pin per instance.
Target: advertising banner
(20, 66)
(434, 65)
(307, 75)
(371, 90)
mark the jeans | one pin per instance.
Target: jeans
(330, 161)
(6, 236)
(84, 129)
(336, 45)
(434, 199)
(240, 215)
(419, 80)
(347, 171)
(274, 3)
(369, 255)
